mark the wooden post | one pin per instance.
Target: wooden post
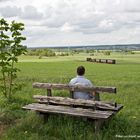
(98, 125)
(72, 94)
(49, 92)
(44, 116)
(97, 96)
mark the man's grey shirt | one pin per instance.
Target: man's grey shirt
(81, 80)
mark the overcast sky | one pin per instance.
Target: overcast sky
(75, 22)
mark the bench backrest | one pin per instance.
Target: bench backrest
(72, 88)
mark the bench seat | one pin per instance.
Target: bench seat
(74, 107)
(51, 109)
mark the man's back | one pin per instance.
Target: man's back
(81, 80)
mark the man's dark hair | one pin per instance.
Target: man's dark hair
(80, 70)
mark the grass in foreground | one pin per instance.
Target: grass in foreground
(16, 123)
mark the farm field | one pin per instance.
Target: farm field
(18, 124)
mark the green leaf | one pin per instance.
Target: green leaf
(10, 47)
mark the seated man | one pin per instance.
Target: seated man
(81, 80)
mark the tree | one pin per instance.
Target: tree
(10, 49)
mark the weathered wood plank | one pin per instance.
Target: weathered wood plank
(76, 102)
(89, 113)
(75, 87)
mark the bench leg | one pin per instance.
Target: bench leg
(44, 116)
(98, 125)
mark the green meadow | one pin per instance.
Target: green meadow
(19, 124)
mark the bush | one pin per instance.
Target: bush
(106, 52)
(10, 48)
(42, 52)
(63, 54)
(40, 57)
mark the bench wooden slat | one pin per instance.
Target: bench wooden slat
(76, 102)
(75, 87)
(96, 114)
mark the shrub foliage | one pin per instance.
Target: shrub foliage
(10, 49)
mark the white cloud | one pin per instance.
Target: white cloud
(30, 12)
(76, 21)
(9, 11)
(4, 0)
(67, 27)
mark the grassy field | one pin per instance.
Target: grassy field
(17, 124)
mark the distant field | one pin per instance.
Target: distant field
(16, 123)
(82, 57)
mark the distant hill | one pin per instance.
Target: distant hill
(101, 47)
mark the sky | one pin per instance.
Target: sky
(75, 22)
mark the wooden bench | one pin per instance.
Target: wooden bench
(98, 111)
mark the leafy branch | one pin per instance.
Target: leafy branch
(10, 48)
